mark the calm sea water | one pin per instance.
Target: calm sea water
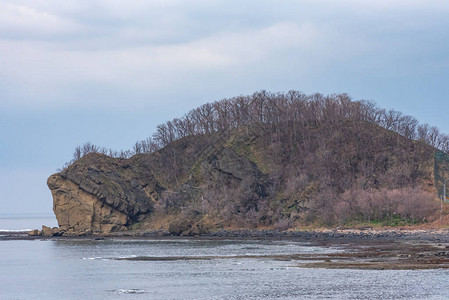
(86, 269)
(21, 222)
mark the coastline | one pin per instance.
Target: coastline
(318, 235)
(363, 249)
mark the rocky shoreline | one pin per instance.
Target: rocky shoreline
(318, 235)
(339, 234)
(368, 249)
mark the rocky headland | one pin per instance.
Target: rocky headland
(271, 162)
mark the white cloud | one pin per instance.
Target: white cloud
(50, 49)
(257, 45)
(43, 67)
(389, 5)
(19, 21)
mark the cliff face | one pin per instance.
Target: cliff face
(78, 211)
(241, 180)
(99, 194)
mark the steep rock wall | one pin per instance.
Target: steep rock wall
(79, 212)
(99, 194)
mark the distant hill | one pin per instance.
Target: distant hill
(260, 161)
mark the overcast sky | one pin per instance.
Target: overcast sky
(109, 71)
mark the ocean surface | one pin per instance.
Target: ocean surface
(26, 222)
(91, 269)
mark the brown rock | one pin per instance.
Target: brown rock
(83, 212)
(34, 232)
(47, 231)
(100, 195)
(178, 227)
(195, 231)
(57, 231)
(185, 233)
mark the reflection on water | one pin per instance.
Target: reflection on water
(85, 269)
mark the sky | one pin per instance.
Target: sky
(108, 72)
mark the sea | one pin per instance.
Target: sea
(227, 269)
(25, 222)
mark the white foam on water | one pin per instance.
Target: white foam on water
(129, 256)
(108, 258)
(15, 230)
(130, 291)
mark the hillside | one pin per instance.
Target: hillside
(330, 161)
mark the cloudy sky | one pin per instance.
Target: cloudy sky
(109, 71)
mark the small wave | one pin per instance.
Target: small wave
(14, 230)
(101, 258)
(110, 258)
(124, 257)
(130, 291)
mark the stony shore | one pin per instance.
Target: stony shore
(386, 249)
(318, 235)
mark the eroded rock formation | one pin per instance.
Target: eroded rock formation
(100, 195)
(203, 182)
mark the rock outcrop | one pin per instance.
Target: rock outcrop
(177, 227)
(100, 195)
(34, 232)
(253, 176)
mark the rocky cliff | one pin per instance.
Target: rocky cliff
(99, 194)
(198, 183)
(265, 161)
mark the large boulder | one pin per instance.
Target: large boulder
(34, 232)
(178, 227)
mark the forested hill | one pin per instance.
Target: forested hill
(265, 160)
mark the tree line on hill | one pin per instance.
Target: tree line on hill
(282, 112)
